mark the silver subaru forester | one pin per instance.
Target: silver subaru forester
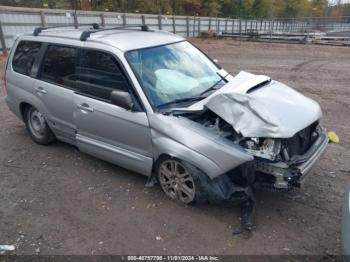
(152, 102)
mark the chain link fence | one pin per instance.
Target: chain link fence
(15, 21)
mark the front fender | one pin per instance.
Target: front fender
(192, 142)
(164, 145)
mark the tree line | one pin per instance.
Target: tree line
(221, 8)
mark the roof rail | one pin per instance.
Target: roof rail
(38, 30)
(86, 34)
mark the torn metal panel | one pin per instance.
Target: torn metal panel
(273, 111)
(222, 191)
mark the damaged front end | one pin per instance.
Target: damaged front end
(282, 164)
(279, 163)
(259, 133)
(275, 124)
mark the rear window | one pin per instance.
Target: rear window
(24, 57)
(58, 66)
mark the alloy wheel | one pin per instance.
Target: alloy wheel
(176, 181)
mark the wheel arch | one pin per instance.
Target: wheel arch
(22, 107)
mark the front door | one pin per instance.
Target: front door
(105, 130)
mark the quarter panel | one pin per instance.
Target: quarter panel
(19, 90)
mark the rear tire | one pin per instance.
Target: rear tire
(37, 126)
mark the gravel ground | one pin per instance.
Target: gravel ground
(56, 200)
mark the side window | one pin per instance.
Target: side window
(98, 74)
(59, 66)
(24, 56)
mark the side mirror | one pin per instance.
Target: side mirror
(122, 99)
(216, 61)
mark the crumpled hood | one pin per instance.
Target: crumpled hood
(257, 107)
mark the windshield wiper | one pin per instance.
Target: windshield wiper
(222, 78)
(187, 99)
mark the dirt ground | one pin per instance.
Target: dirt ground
(56, 200)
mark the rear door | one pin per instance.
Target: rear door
(105, 130)
(55, 87)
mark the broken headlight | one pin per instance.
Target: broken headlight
(267, 148)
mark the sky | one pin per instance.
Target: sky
(344, 1)
(336, 1)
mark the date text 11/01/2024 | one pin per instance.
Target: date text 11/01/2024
(173, 258)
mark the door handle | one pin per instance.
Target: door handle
(85, 107)
(40, 90)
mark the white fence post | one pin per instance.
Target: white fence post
(160, 22)
(75, 18)
(240, 26)
(194, 26)
(42, 17)
(217, 25)
(124, 19)
(199, 26)
(188, 26)
(174, 25)
(103, 23)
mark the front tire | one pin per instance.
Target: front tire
(37, 126)
(176, 179)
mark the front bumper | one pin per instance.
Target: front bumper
(309, 159)
(294, 172)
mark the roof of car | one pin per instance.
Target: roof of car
(125, 39)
